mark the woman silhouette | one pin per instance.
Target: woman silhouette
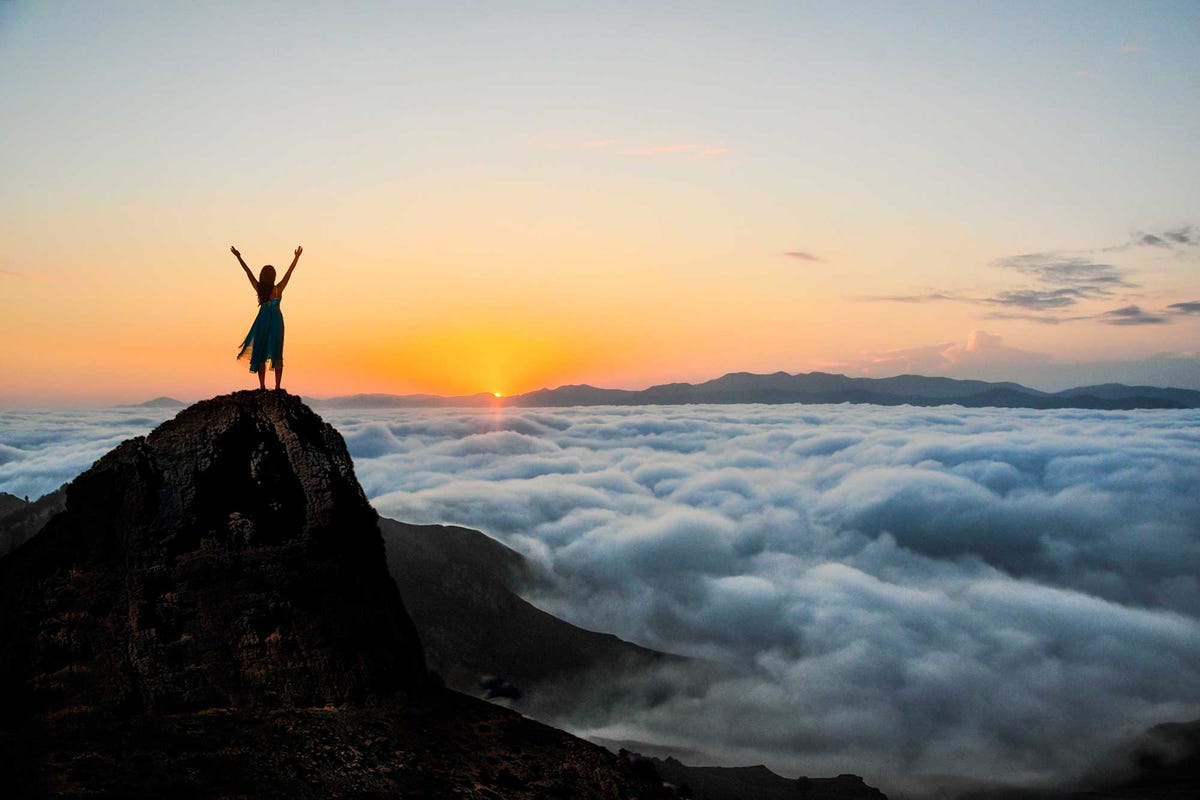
(264, 342)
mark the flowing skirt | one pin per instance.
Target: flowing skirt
(264, 343)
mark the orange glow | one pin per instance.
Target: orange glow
(450, 360)
(505, 311)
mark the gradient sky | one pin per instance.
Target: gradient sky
(498, 197)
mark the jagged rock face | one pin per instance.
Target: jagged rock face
(19, 524)
(227, 560)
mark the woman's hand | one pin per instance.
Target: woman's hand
(287, 276)
(234, 250)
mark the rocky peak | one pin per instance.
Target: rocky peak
(228, 560)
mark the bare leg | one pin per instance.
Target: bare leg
(278, 375)
(262, 377)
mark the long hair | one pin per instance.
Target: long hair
(266, 284)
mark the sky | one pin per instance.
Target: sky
(501, 197)
(894, 592)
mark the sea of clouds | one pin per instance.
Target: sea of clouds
(991, 592)
(41, 449)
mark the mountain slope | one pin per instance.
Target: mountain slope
(460, 588)
(760, 783)
(21, 522)
(10, 503)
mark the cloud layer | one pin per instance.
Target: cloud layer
(888, 590)
(40, 450)
(905, 590)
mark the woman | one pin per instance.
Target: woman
(264, 342)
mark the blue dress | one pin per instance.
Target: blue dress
(264, 342)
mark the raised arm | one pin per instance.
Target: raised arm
(288, 274)
(249, 274)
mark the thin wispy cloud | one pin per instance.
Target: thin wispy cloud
(801, 255)
(1031, 299)
(981, 351)
(1040, 299)
(1179, 236)
(1041, 319)
(1131, 315)
(576, 141)
(1057, 269)
(1184, 236)
(930, 297)
(1130, 49)
(689, 150)
(1065, 279)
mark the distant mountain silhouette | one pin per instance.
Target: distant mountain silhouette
(811, 387)
(1119, 391)
(158, 402)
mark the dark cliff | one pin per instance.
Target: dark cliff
(211, 615)
(228, 559)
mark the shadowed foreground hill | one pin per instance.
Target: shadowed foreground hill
(212, 616)
(1163, 763)
(461, 588)
(19, 521)
(760, 783)
(10, 503)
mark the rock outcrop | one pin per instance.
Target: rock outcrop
(10, 503)
(20, 521)
(211, 615)
(227, 560)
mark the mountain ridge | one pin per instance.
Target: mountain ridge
(810, 387)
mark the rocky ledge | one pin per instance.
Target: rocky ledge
(228, 559)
